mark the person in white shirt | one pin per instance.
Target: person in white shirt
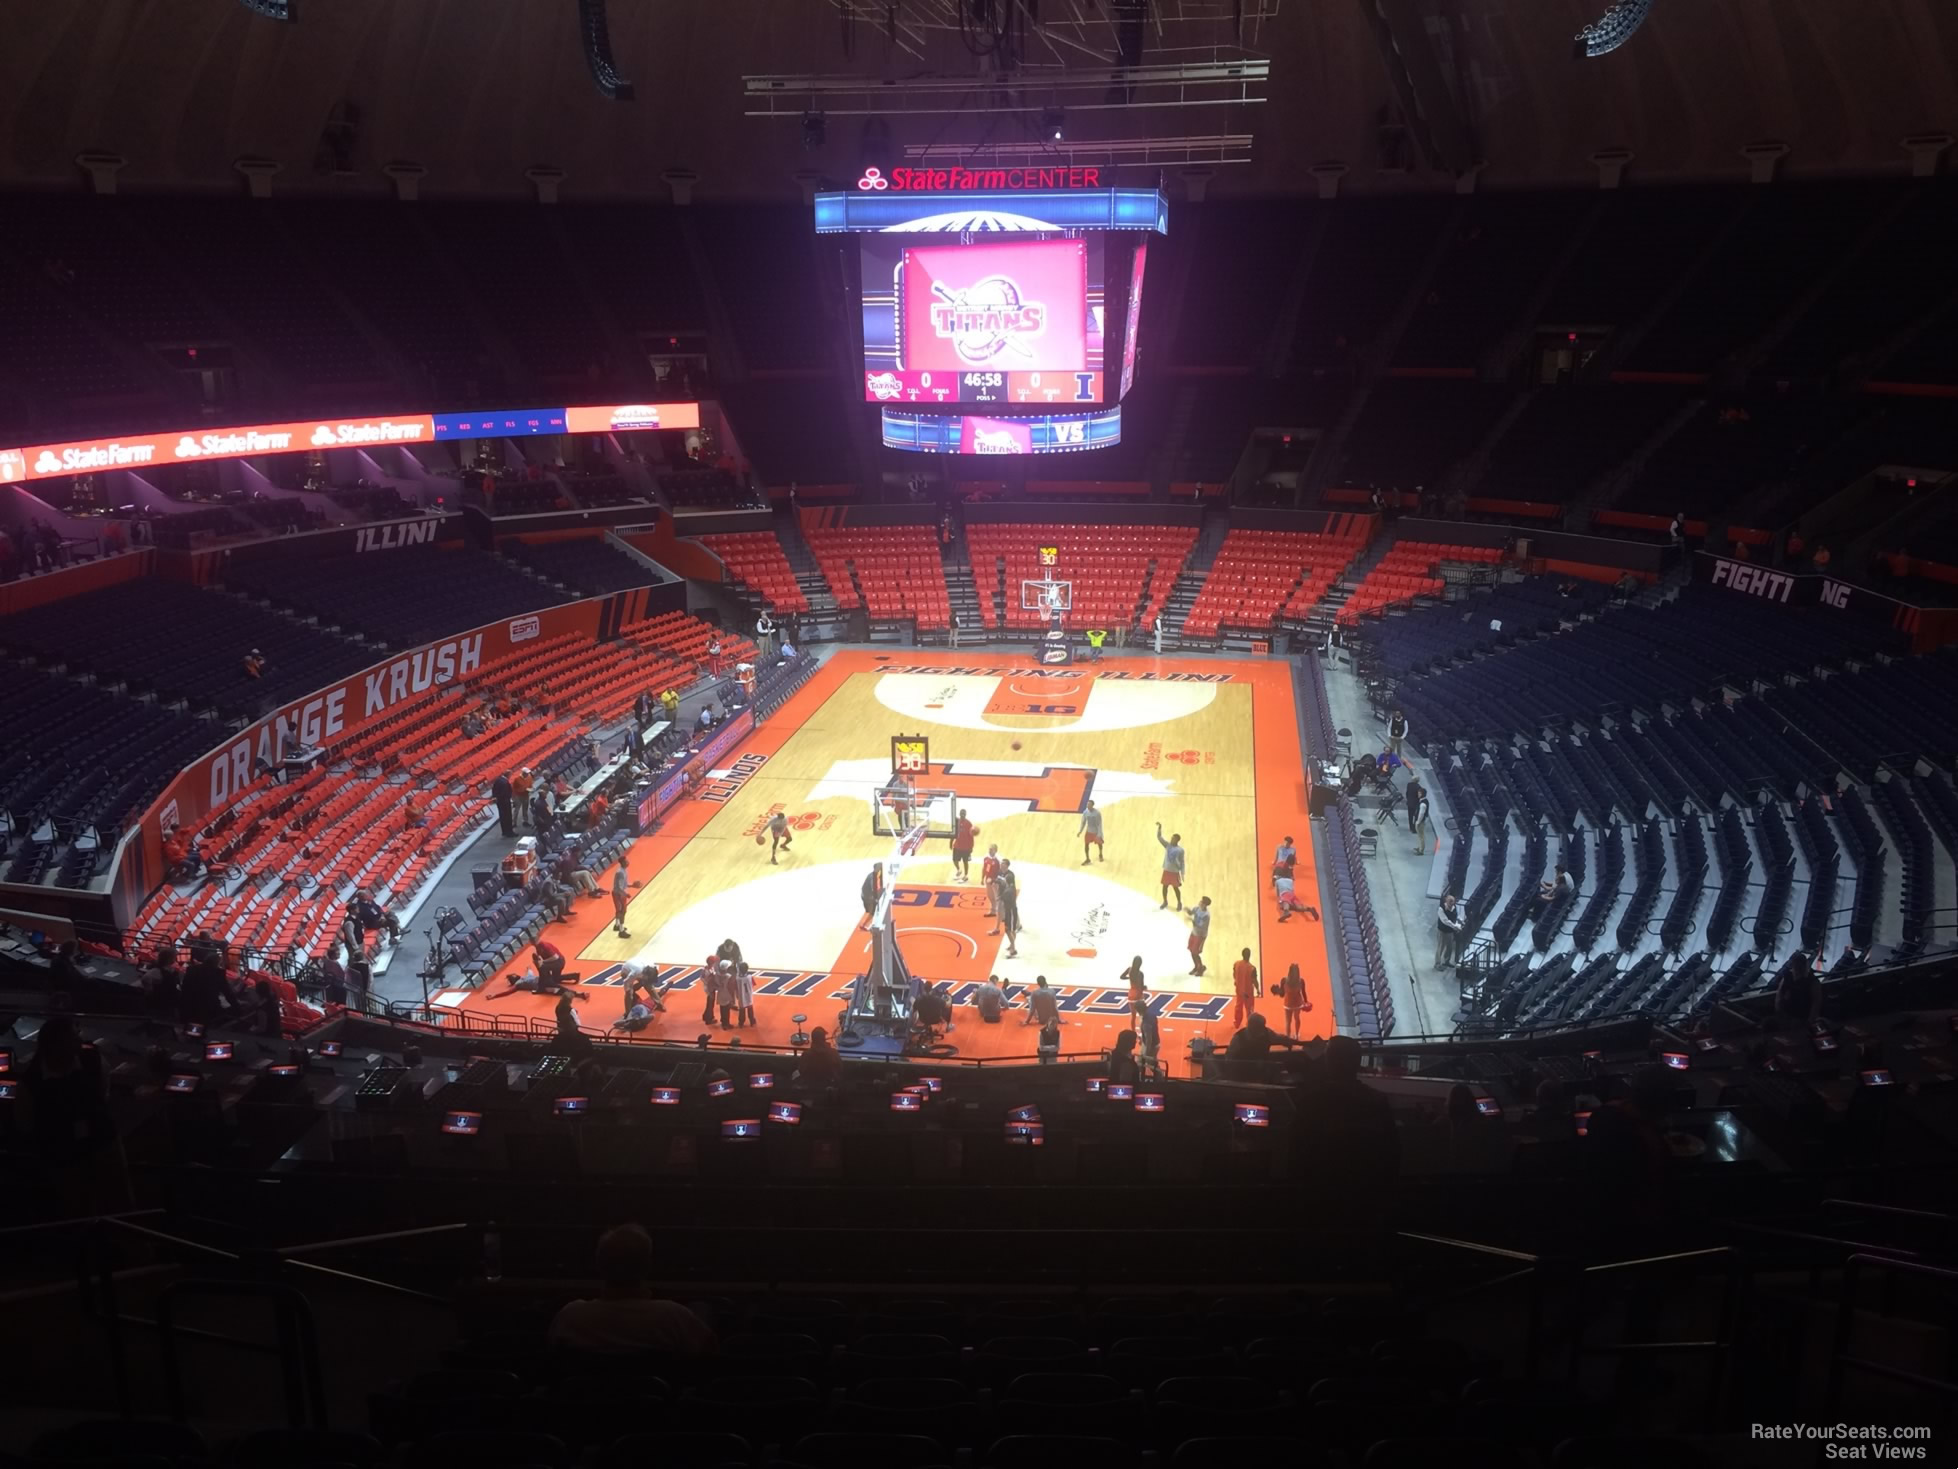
(1448, 932)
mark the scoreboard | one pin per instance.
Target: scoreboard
(1033, 389)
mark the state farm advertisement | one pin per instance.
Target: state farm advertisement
(1019, 307)
(180, 446)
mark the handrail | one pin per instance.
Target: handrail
(1846, 1309)
(1659, 1259)
(13, 1230)
(292, 1251)
(171, 1239)
(1470, 1245)
(1889, 1209)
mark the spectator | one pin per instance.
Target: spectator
(66, 1117)
(822, 1063)
(1416, 796)
(206, 992)
(503, 792)
(364, 915)
(570, 1036)
(1254, 1041)
(595, 810)
(626, 1317)
(1396, 731)
(254, 664)
(1554, 886)
(66, 968)
(670, 702)
(1121, 1060)
(1345, 1130)
(1794, 546)
(1448, 932)
(541, 817)
(1821, 559)
(163, 985)
(1676, 532)
(1798, 994)
(1738, 549)
(333, 977)
(268, 1017)
(520, 787)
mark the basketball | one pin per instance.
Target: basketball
(760, 837)
(1016, 744)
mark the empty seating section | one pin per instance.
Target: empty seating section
(771, 287)
(791, 431)
(1434, 637)
(1746, 774)
(1408, 571)
(1412, 429)
(1787, 239)
(182, 645)
(892, 572)
(402, 598)
(598, 490)
(591, 565)
(289, 855)
(703, 488)
(1498, 255)
(755, 559)
(1359, 275)
(81, 756)
(1569, 436)
(274, 299)
(1262, 578)
(1121, 575)
(516, 265)
(688, 638)
(1229, 313)
(1369, 997)
(595, 681)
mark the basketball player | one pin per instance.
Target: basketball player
(1172, 867)
(778, 835)
(1090, 833)
(1009, 913)
(897, 796)
(963, 836)
(988, 875)
(1199, 931)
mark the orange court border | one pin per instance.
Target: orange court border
(950, 938)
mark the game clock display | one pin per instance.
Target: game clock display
(1026, 389)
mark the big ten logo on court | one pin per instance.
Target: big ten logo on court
(724, 787)
(937, 898)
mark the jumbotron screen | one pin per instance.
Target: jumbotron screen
(1015, 321)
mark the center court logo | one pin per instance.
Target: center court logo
(986, 319)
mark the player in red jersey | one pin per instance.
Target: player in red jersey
(963, 836)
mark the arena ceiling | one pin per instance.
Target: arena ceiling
(477, 92)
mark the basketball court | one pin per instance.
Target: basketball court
(1206, 747)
